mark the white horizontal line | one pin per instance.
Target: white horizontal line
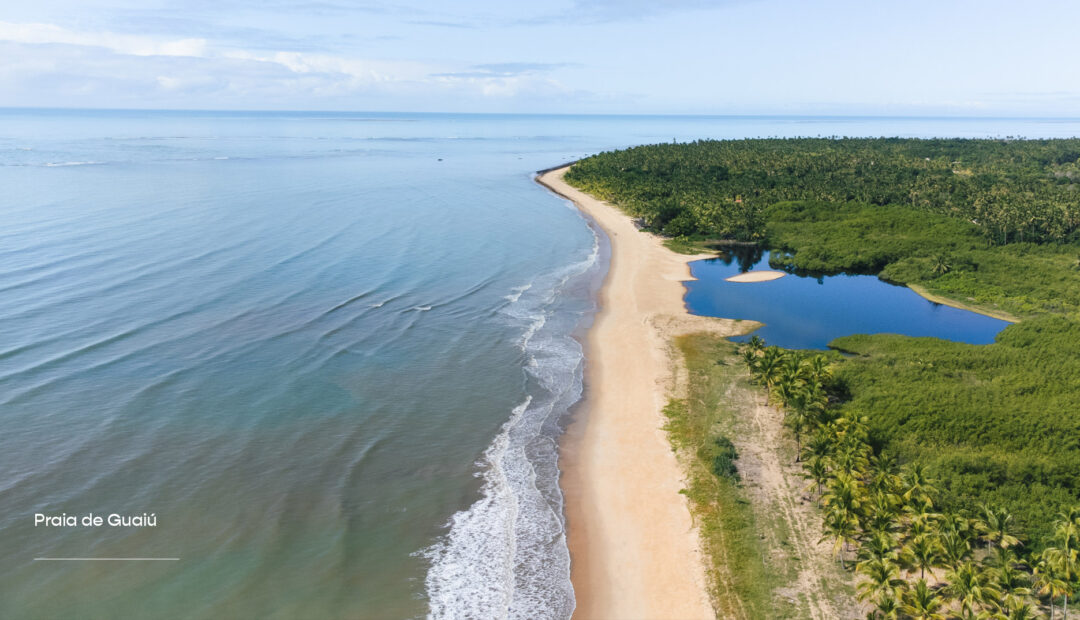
(106, 559)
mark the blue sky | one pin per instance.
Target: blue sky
(569, 56)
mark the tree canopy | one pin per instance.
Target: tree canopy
(1012, 190)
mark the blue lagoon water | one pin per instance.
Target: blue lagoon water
(808, 312)
(331, 353)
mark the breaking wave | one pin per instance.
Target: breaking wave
(506, 555)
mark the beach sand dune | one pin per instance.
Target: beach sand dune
(634, 550)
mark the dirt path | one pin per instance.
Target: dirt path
(776, 488)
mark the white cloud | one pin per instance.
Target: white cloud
(504, 87)
(133, 45)
(48, 64)
(358, 69)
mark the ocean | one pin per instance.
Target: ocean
(328, 355)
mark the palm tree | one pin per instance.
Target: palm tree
(850, 457)
(883, 513)
(817, 472)
(882, 579)
(769, 365)
(970, 587)
(1067, 528)
(917, 483)
(750, 357)
(922, 552)
(922, 603)
(816, 404)
(820, 368)
(1020, 610)
(1008, 579)
(941, 265)
(879, 545)
(917, 527)
(1047, 581)
(952, 522)
(921, 513)
(954, 548)
(1066, 556)
(844, 492)
(784, 388)
(887, 608)
(883, 474)
(819, 446)
(997, 528)
(751, 351)
(1064, 563)
(803, 402)
(796, 366)
(841, 526)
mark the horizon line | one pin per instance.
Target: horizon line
(568, 114)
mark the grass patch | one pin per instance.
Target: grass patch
(698, 428)
(694, 245)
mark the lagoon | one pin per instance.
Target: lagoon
(802, 311)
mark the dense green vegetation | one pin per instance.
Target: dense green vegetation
(893, 522)
(1014, 190)
(945, 255)
(995, 424)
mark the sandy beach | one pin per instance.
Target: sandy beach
(634, 550)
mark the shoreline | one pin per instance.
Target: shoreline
(634, 549)
(952, 303)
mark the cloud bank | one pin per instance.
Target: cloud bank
(53, 65)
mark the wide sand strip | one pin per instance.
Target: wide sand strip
(634, 550)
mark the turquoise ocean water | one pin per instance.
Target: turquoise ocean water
(330, 353)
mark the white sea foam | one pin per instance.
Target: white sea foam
(538, 322)
(517, 292)
(72, 163)
(506, 556)
(472, 571)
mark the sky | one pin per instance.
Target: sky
(911, 57)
